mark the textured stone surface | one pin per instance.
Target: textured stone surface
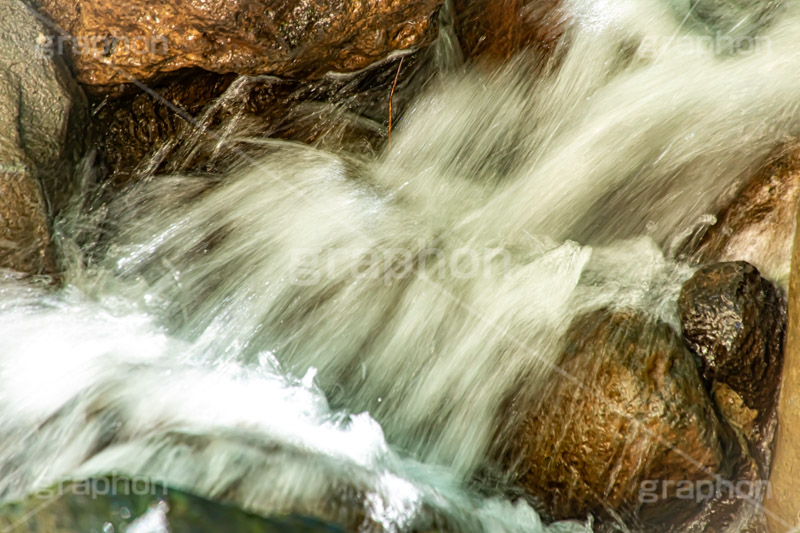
(144, 39)
(24, 230)
(40, 109)
(641, 416)
(496, 30)
(133, 128)
(783, 502)
(735, 321)
(757, 226)
(343, 113)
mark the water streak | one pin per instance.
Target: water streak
(317, 324)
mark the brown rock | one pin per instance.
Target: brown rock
(734, 321)
(732, 408)
(639, 421)
(198, 129)
(198, 120)
(113, 43)
(783, 502)
(133, 128)
(41, 109)
(737, 510)
(758, 224)
(494, 31)
(24, 229)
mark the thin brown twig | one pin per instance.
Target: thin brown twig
(391, 96)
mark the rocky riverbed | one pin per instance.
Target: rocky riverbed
(101, 98)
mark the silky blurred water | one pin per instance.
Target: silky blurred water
(337, 334)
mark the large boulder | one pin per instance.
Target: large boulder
(113, 43)
(624, 420)
(40, 105)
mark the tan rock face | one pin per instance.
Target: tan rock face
(144, 39)
(40, 109)
(783, 502)
(640, 422)
(24, 229)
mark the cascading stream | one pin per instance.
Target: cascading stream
(316, 324)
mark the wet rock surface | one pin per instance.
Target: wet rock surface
(735, 322)
(619, 442)
(623, 422)
(24, 228)
(494, 31)
(783, 501)
(196, 119)
(143, 39)
(757, 225)
(119, 504)
(133, 128)
(41, 109)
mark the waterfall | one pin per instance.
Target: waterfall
(316, 320)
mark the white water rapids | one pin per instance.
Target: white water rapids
(318, 324)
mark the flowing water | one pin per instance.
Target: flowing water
(337, 334)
